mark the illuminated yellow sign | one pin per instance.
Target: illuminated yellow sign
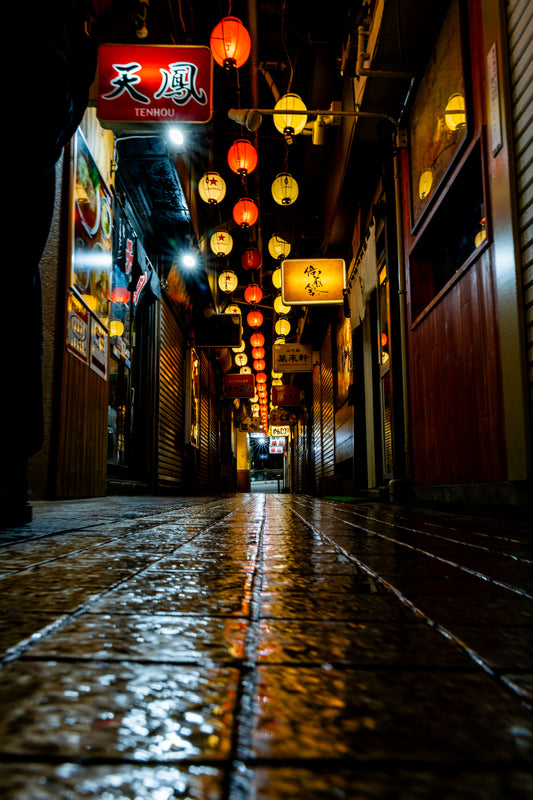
(308, 281)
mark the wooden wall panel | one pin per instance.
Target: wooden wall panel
(455, 386)
(82, 443)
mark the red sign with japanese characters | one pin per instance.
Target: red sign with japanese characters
(288, 395)
(140, 83)
(237, 385)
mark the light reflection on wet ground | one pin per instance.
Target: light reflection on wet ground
(250, 647)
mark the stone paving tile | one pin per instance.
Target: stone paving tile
(128, 710)
(312, 713)
(117, 782)
(147, 637)
(344, 643)
(291, 783)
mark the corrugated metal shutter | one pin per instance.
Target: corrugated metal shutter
(520, 31)
(171, 400)
(328, 408)
(317, 425)
(203, 455)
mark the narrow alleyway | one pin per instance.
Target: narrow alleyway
(264, 647)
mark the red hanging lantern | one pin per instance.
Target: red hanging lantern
(120, 294)
(242, 157)
(257, 339)
(253, 293)
(230, 43)
(245, 212)
(258, 352)
(261, 377)
(254, 318)
(251, 258)
(259, 365)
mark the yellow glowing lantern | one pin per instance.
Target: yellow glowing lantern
(455, 112)
(116, 327)
(284, 189)
(293, 116)
(282, 326)
(276, 278)
(425, 183)
(279, 306)
(278, 248)
(245, 370)
(241, 359)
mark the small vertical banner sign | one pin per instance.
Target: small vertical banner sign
(154, 84)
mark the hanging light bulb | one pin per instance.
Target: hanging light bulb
(242, 157)
(294, 118)
(282, 326)
(212, 188)
(245, 212)
(278, 248)
(221, 243)
(254, 318)
(230, 43)
(257, 339)
(279, 306)
(228, 281)
(253, 293)
(251, 258)
(284, 189)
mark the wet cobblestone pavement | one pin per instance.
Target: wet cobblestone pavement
(264, 647)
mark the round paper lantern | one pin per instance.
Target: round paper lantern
(282, 326)
(242, 157)
(241, 359)
(121, 295)
(251, 258)
(257, 339)
(245, 212)
(277, 382)
(228, 281)
(230, 43)
(259, 365)
(279, 340)
(212, 188)
(276, 278)
(294, 117)
(116, 327)
(232, 309)
(261, 377)
(221, 243)
(284, 189)
(258, 352)
(245, 370)
(253, 293)
(279, 306)
(278, 248)
(254, 318)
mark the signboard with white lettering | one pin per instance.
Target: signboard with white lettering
(313, 281)
(154, 84)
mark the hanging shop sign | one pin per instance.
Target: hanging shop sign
(154, 84)
(238, 385)
(293, 358)
(286, 395)
(77, 328)
(280, 430)
(278, 445)
(319, 281)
